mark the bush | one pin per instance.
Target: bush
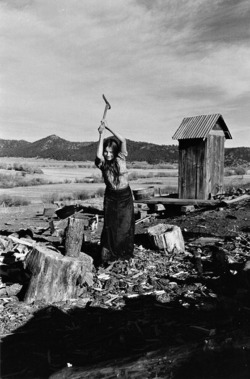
(3, 166)
(35, 182)
(5, 200)
(70, 166)
(240, 170)
(81, 180)
(90, 179)
(10, 181)
(13, 201)
(134, 175)
(228, 172)
(100, 192)
(27, 168)
(62, 197)
(50, 198)
(81, 195)
(38, 170)
(86, 165)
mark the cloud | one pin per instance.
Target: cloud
(157, 62)
(225, 22)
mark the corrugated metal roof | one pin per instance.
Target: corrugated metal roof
(200, 126)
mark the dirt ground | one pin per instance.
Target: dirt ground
(155, 316)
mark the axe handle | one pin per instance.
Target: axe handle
(107, 106)
(105, 111)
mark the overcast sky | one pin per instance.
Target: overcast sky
(157, 61)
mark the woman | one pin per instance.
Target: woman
(117, 239)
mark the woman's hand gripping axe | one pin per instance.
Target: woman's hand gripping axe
(107, 106)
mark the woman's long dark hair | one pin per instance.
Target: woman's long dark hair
(112, 166)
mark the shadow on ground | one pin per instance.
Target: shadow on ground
(166, 339)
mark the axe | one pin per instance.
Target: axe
(107, 106)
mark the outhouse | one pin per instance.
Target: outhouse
(201, 156)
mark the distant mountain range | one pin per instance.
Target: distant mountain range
(54, 147)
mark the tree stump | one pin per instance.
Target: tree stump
(166, 237)
(55, 277)
(74, 236)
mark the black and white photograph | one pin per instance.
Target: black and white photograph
(125, 189)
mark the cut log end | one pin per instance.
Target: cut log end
(166, 237)
(55, 277)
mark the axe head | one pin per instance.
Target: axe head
(106, 101)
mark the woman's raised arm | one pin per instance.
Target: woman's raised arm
(120, 138)
(99, 152)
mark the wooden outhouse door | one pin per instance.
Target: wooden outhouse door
(191, 169)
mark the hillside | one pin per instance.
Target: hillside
(237, 156)
(58, 148)
(61, 149)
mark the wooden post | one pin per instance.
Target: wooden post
(74, 237)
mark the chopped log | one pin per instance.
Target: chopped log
(22, 241)
(58, 228)
(159, 207)
(142, 206)
(166, 237)
(187, 208)
(74, 236)
(55, 277)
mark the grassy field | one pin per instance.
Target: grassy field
(61, 179)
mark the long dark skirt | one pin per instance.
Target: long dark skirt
(117, 239)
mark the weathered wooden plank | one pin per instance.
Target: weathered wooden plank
(169, 201)
(207, 173)
(191, 169)
(200, 186)
(237, 199)
(215, 165)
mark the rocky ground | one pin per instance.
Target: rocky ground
(157, 315)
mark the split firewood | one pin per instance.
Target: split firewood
(237, 199)
(23, 241)
(143, 219)
(159, 207)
